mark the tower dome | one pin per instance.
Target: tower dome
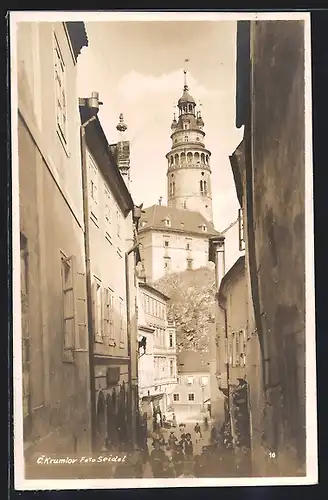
(186, 97)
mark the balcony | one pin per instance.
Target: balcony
(165, 379)
(164, 350)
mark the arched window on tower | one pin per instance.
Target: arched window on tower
(173, 188)
(205, 187)
(171, 160)
(201, 183)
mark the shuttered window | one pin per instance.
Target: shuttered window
(121, 326)
(60, 90)
(108, 309)
(97, 310)
(93, 187)
(68, 307)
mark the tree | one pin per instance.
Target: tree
(191, 306)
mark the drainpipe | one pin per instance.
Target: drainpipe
(223, 308)
(93, 104)
(131, 380)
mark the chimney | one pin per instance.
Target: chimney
(217, 255)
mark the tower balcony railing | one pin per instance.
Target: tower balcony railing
(194, 164)
(182, 142)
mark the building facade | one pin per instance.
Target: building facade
(192, 394)
(173, 240)
(113, 287)
(270, 105)
(55, 357)
(158, 356)
(175, 237)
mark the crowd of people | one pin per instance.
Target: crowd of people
(176, 453)
(176, 457)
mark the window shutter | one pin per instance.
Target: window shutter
(74, 303)
(111, 319)
(94, 309)
(101, 333)
(104, 322)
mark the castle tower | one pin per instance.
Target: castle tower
(123, 151)
(189, 173)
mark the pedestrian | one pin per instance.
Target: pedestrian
(174, 420)
(158, 421)
(178, 459)
(161, 441)
(205, 424)
(213, 435)
(188, 447)
(198, 431)
(172, 440)
(157, 458)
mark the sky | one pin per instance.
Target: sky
(137, 68)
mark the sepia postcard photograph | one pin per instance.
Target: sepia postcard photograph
(163, 261)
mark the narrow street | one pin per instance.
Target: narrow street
(198, 442)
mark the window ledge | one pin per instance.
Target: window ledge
(63, 143)
(94, 220)
(108, 238)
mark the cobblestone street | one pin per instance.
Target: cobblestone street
(198, 442)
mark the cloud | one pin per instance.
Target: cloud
(135, 86)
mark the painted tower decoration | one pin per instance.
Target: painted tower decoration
(123, 151)
(189, 173)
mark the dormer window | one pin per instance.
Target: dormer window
(167, 222)
(203, 228)
(143, 223)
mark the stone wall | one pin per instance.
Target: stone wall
(276, 176)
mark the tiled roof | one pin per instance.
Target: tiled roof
(78, 36)
(193, 362)
(180, 220)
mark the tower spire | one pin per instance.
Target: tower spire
(185, 87)
(123, 151)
